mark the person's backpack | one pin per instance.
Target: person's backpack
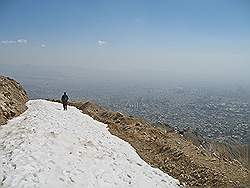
(65, 98)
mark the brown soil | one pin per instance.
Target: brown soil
(170, 151)
(232, 150)
(12, 99)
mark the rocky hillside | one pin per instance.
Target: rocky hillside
(171, 151)
(12, 99)
(223, 149)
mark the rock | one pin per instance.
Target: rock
(12, 99)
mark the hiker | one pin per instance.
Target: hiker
(65, 99)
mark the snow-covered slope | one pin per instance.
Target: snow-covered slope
(49, 147)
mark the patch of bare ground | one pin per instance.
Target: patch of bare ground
(170, 151)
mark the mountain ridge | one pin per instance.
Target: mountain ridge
(49, 147)
(169, 150)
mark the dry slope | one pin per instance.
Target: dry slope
(12, 99)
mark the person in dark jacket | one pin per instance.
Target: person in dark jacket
(65, 99)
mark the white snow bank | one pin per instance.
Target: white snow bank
(49, 147)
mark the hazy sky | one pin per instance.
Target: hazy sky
(126, 39)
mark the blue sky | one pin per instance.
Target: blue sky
(194, 37)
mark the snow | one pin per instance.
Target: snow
(49, 147)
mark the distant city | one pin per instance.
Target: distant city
(214, 115)
(217, 113)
